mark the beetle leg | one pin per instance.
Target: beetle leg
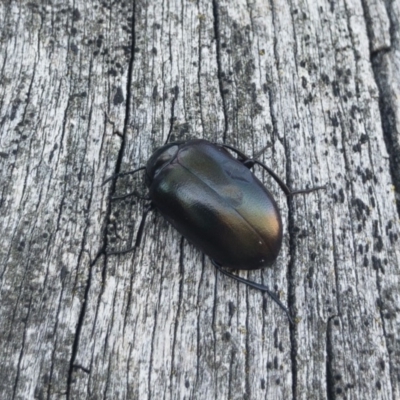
(139, 235)
(259, 153)
(249, 163)
(112, 177)
(254, 285)
(245, 160)
(278, 180)
(305, 191)
(134, 193)
(120, 252)
(242, 157)
(283, 185)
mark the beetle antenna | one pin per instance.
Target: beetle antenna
(255, 285)
(112, 177)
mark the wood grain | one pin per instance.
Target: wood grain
(89, 89)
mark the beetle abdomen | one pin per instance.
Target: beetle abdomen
(219, 205)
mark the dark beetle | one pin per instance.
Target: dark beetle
(217, 203)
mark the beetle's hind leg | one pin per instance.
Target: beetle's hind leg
(139, 234)
(254, 285)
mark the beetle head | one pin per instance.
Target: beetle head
(160, 159)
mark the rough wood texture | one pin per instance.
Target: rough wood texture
(89, 89)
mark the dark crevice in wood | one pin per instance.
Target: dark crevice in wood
(40, 30)
(108, 376)
(230, 380)
(28, 96)
(129, 300)
(151, 355)
(125, 128)
(172, 118)
(21, 353)
(291, 275)
(83, 241)
(214, 323)
(102, 287)
(200, 60)
(388, 119)
(79, 326)
(128, 304)
(393, 364)
(369, 24)
(55, 346)
(219, 66)
(7, 9)
(83, 307)
(330, 346)
(178, 311)
(247, 361)
(109, 327)
(20, 290)
(199, 327)
(153, 333)
(295, 45)
(64, 128)
(291, 269)
(103, 246)
(117, 170)
(270, 90)
(128, 368)
(276, 53)
(60, 208)
(335, 268)
(292, 295)
(330, 393)
(390, 135)
(347, 155)
(7, 256)
(85, 299)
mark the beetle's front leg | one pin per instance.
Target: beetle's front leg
(139, 235)
(113, 177)
(134, 193)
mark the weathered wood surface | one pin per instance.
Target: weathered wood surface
(91, 88)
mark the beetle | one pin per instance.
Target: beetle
(216, 202)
